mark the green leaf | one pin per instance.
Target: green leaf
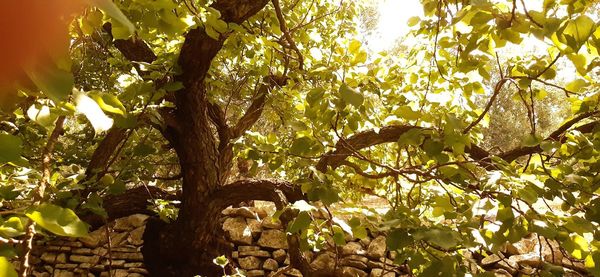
(143, 149)
(12, 227)
(109, 103)
(94, 204)
(576, 32)
(408, 113)
(314, 96)
(7, 251)
(351, 96)
(108, 7)
(532, 140)
(221, 261)
(128, 121)
(433, 147)
(173, 86)
(6, 268)
(354, 46)
(441, 206)
(338, 235)
(8, 192)
(301, 145)
(120, 31)
(413, 136)
(117, 187)
(301, 222)
(358, 230)
(42, 115)
(576, 85)
(399, 239)
(10, 148)
(58, 220)
(592, 263)
(579, 225)
(413, 21)
(528, 194)
(444, 238)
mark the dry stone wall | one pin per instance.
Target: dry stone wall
(113, 248)
(261, 249)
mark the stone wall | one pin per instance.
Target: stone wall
(261, 249)
(114, 247)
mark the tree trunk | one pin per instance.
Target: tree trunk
(187, 247)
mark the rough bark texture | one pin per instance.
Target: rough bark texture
(188, 245)
(388, 134)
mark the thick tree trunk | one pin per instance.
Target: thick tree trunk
(187, 247)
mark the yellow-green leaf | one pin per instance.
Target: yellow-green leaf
(108, 7)
(10, 148)
(6, 268)
(351, 96)
(58, 220)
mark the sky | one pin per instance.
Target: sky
(393, 15)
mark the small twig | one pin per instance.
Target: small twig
(300, 26)
(529, 16)
(497, 90)
(47, 156)
(512, 13)
(109, 248)
(11, 241)
(435, 44)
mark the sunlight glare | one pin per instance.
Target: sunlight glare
(392, 25)
(88, 107)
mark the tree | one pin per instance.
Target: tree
(196, 86)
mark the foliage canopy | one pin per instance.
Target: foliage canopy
(478, 130)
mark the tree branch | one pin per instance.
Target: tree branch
(39, 194)
(132, 201)
(47, 157)
(286, 33)
(199, 49)
(255, 109)
(360, 172)
(134, 49)
(256, 189)
(104, 151)
(369, 138)
(217, 116)
(497, 90)
(366, 139)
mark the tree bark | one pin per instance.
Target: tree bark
(187, 246)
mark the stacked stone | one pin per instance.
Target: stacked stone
(90, 255)
(528, 255)
(261, 249)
